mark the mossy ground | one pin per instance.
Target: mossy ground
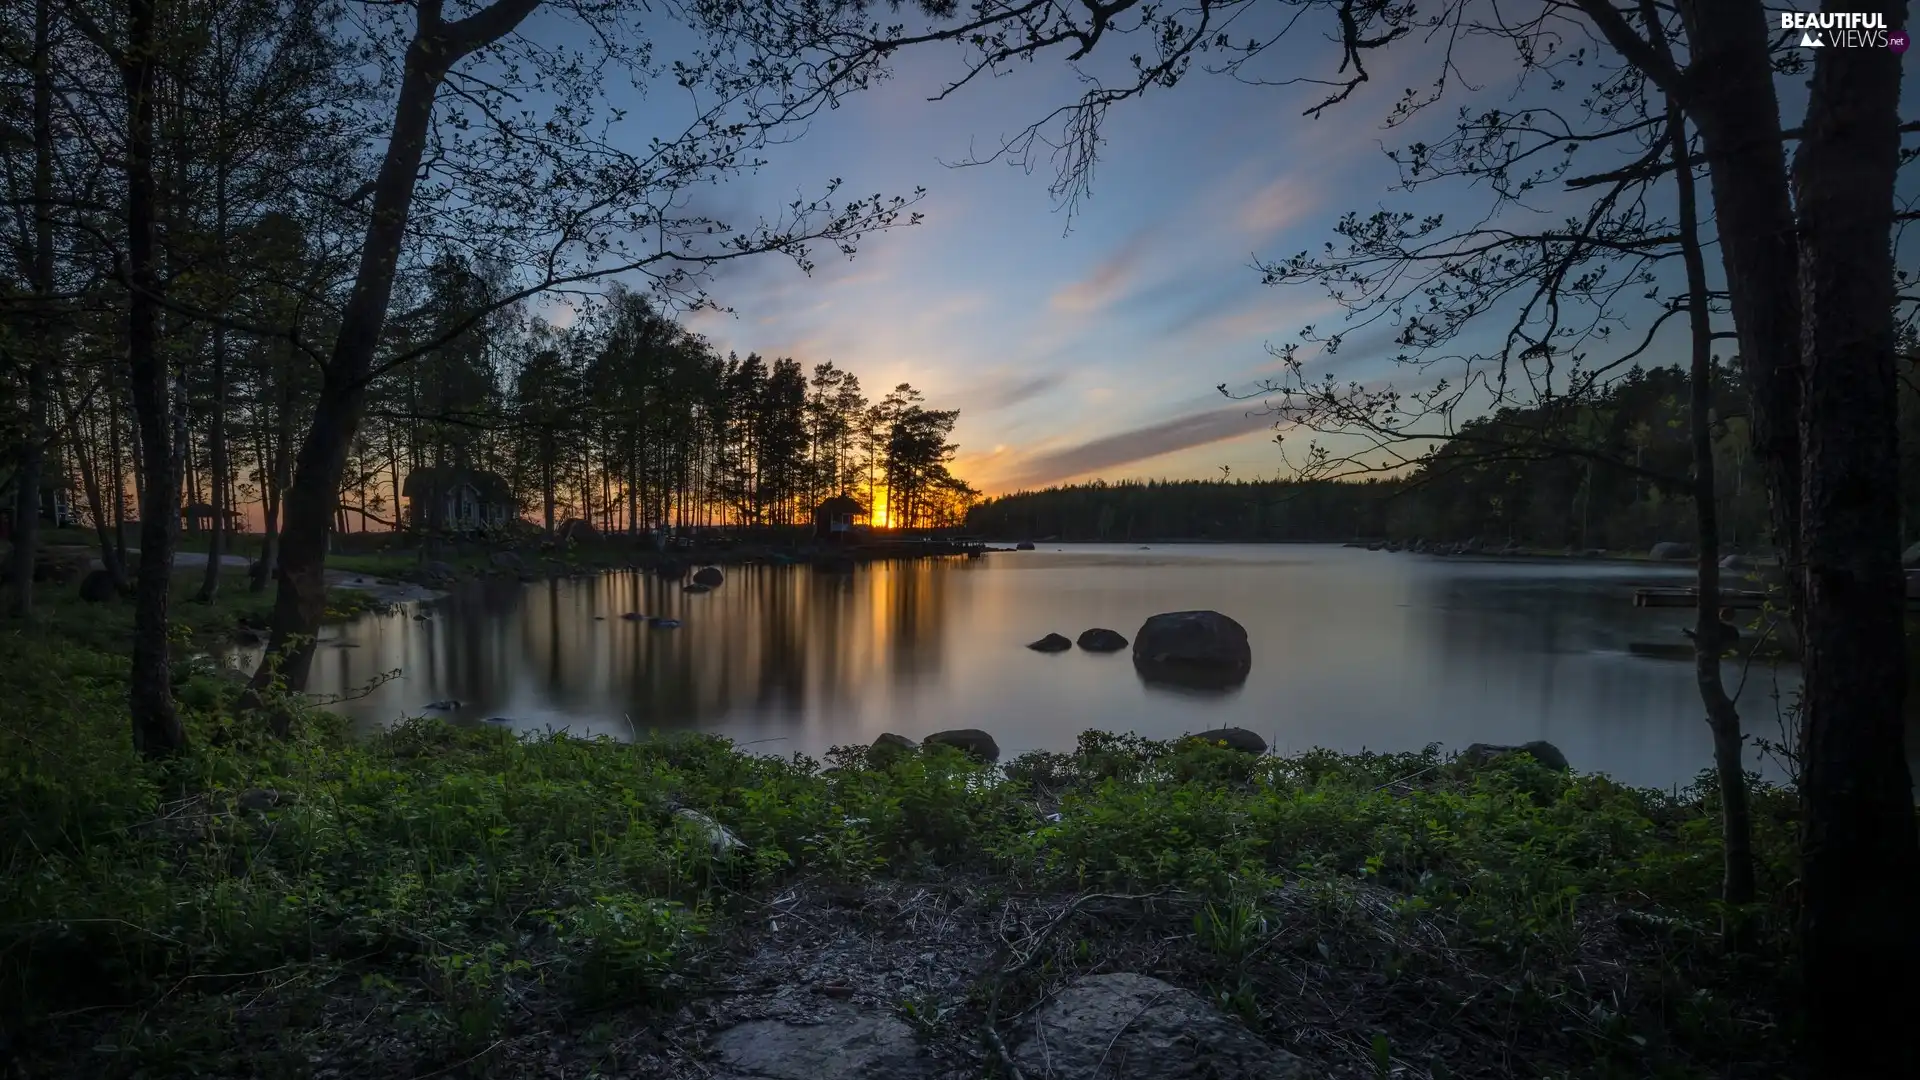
(456, 901)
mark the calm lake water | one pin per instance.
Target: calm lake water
(1351, 650)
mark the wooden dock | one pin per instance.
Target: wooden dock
(915, 549)
(1738, 599)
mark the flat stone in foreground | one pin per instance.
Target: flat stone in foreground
(1124, 1026)
(841, 1043)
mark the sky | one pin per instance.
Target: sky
(1094, 351)
(1070, 354)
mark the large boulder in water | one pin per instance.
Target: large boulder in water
(1192, 648)
(1547, 754)
(710, 576)
(971, 741)
(1100, 639)
(1052, 643)
(1671, 551)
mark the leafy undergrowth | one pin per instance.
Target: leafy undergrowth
(60, 614)
(257, 907)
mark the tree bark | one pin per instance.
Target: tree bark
(300, 601)
(274, 485)
(26, 530)
(86, 457)
(1728, 90)
(217, 422)
(1736, 826)
(1860, 858)
(217, 462)
(116, 453)
(157, 730)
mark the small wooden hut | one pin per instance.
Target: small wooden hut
(199, 517)
(833, 519)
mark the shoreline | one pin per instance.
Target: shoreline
(450, 898)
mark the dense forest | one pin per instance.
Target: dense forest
(1611, 472)
(178, 361)
(628, 421)
(623, 418)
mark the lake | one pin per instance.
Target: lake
(1351, 650)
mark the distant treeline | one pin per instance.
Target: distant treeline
(1610, 472)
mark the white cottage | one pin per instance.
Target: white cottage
(461, 500)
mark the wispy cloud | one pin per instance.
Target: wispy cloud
(1280, 204)
(1139, 444)
(1111, 279)
(1007, 389)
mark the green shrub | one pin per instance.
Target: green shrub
(454, 866)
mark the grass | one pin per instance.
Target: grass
(61, 615)
(459, 900)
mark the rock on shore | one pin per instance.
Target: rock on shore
(1543, 752)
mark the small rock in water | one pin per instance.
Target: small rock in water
(419, 618)
(665, 624)
(1051, 643)
(968, 741)
(696, 588)
(499, 720)
(444, 706)
(1100, 639)
(710, 576)
(1543, 752)
(1235, 739)
(633, 616)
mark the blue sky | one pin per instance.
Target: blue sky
(1094, 352)
(1073, 354)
